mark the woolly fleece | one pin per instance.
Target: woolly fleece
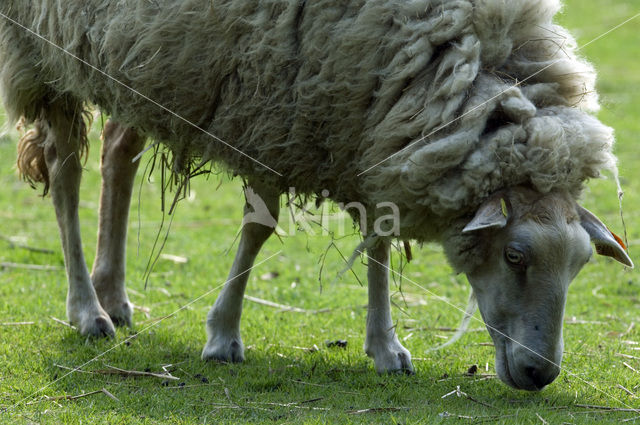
(321, 91)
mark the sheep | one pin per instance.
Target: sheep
(473, 117)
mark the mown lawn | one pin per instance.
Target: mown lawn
(290, 375)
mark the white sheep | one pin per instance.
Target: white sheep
(471, 116)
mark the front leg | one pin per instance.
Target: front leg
(381, 342)
(223, 322)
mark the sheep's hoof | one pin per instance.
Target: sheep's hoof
(119, 309)
(390, 357)
(121, 314)
(96, 324)
(114, 300)
(224, 350)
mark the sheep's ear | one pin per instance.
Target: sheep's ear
(606, 242)
(493, 213)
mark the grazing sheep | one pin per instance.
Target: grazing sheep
(471, 116)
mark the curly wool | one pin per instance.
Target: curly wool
(322, 91)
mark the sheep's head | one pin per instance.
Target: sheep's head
(520, 253)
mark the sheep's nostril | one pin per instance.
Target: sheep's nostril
(532, 373)
(538, 378)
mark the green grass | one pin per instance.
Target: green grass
(280, 382)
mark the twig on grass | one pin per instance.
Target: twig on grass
(14, 244)
(285, 308)
(627, 356)
(626, 390)
(580, 354)
(17, 323)
(630, 367)
(376, 410)
(296, 404)
(112, 370)
(606, 408)
(575, 321)
(476, 419)
(314, 348)
(460, 393)
(144, 310)
(75, 397)
(39, 267)
(62, 322)
(228, 394)
(542, 419)
(297, 381)
(75, 369)
(177, 259)
(182, 387)
(108, 394)
(235, 406)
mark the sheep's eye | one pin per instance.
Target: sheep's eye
(514, 256)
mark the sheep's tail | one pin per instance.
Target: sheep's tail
(31, 163)
(472, 305)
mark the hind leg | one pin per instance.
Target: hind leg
(120, 145)
(223, 321)
(65, 134)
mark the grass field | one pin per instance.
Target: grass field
(290, 374)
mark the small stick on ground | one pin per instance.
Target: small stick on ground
(17, 323)
(283, 307)
(627, 356)
(14, 244)
(630, 367)
(75, 369)
(460, 393)
(297, 404)
(62, 322)
(297, 381)
(626, 390)
(39, 267)
(75, 397)
(607, 408)
(121, 372)
(542, 419)
(111, 396)
(112, 370)
(143, 310)
(376, 410)
(228, 394)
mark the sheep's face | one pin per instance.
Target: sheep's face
(533, 246)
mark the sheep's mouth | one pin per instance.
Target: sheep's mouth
(502, 346)
(503, 359)
(502, 365)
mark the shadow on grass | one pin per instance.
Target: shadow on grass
(274, 384)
